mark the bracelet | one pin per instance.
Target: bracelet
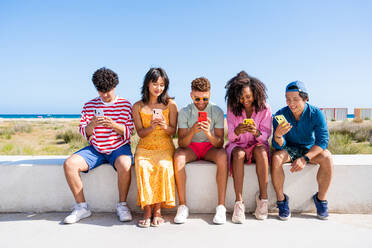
(279, 137)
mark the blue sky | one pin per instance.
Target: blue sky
(49, 49)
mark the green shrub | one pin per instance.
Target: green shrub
(342, 144)
(69, 136)
(7, 148)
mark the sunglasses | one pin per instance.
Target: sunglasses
(198, 99)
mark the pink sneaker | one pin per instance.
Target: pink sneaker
(239, 213)
(262, 208)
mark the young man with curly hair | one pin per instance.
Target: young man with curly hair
(107, 123)
(200, 140)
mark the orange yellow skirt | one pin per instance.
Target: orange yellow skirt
(155, 177)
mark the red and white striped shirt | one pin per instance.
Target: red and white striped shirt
(104, 139)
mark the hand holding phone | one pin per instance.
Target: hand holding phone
(157, 114)
(248, 121)
(283, 126)
(202, 116)
(281, 119)
(99, 112)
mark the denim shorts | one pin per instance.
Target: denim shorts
(296, 152)
(95, 158)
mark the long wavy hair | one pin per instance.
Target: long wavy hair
(152, 76)
(235, 88)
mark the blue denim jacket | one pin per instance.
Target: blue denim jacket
(311, 129)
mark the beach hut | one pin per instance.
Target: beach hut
(363, 113)
(335, 114)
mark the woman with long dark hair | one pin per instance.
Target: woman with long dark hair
(155, 119)
(249, 127)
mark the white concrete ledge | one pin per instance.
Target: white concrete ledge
(37, 184)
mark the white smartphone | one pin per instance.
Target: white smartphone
(157, 114)
(98, 112)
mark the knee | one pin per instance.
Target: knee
(326, 159)
(276, 161)
(221, 155)
(238, 153)
(327, 155)
(123, 164)
(70, 164)
(179, 158)
(259, 151)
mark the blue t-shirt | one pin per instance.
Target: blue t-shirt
(311, 129)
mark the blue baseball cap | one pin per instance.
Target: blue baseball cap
(297, 85)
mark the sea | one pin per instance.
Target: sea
(41, 116)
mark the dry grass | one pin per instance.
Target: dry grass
(350, 137)
(37, 137)
(61, 137)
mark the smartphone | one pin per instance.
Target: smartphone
(280, 119)
(98, 112)
(248, 121)
(157, 114)
(202, 116)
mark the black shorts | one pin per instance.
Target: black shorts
(296, 152)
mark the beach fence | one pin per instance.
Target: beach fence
(335, 114)
(363, 113)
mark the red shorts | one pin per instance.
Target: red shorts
(200, 148)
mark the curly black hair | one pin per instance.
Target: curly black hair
(152, 76)
(235, 88)
(105, 79)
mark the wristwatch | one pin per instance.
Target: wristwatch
(307, 159)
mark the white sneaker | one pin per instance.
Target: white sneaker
(123, 212)
(261, 208)
(81, 211)
(239, 213)
(182, 214)
(220, 216)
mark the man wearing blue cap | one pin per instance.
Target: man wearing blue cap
(301, 139)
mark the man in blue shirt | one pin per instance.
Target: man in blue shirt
(301, 139)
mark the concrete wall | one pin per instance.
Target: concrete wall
(37, 184)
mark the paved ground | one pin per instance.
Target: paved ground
(104, 230)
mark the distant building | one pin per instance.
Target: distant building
(363, 113)
(335, 114)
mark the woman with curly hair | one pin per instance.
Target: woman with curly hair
(155, 119)
(249, 123)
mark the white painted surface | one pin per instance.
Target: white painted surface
(37, 184)
(104, 230)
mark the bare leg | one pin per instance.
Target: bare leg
(219, 157)
(181, 157)
(123, 164)
(324, 176)
(146, 216)
(72, 167)
(262, 169)
(277, 173)
(238, 158)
